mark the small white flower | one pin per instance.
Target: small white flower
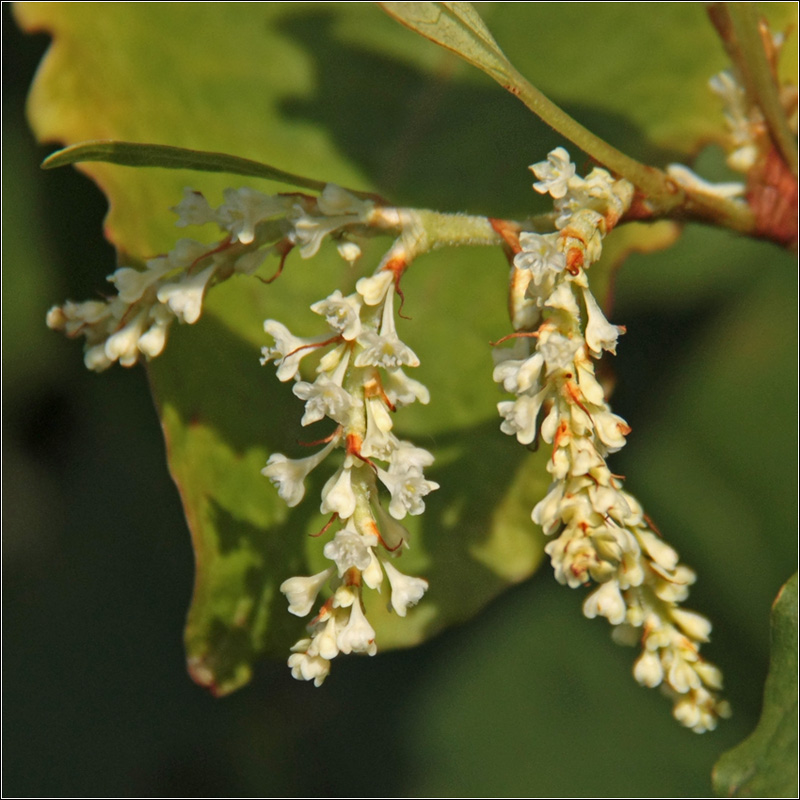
(378, 442)
(95, 358)
(688, 179)
(520, 415)
(589, 386)
(341, 313)
(309, 231)
(122, 345)
(350, 549)
(185, 296)
(710, 675)
(407, 489)
(554, 174)
(681, 675)
(384, 351)
(611, 430)
(743, 150)
(402, 390)
(288, 475)
(409, 458)
(571, 557)
(185, 254)
(373, 574)
(72, 317)
(658, 550)
(519, 376)
(193, 209)
(152, 342)
(584, 457)
(540, 255)
(301, 592)
(309, 668)
(406, 590)
(289, 349)
(133, 283)
(358, 636)
(606, 601)
(349, 251)
(244, 208)
(345, 596)
(648, 670)
(600, 333)
(674, 584)
(374, 288)
(323, 398)
(335, 201)
(338, 496)
(547, 512)
(393, 533)
(323, 643)
(562, 298)
(558, 350)
(694, 625)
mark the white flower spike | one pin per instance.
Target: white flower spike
(601, 533)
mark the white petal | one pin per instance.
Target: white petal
(301, 592)
(338, 496)
(606, 601)
(406, 590)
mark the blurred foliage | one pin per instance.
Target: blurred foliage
(98, 566)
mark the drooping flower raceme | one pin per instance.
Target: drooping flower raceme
(360, 381)
(135, 322)
(600, 533)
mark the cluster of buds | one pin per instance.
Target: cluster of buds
(600, 532)
(359, 382)
(745, 121)
(135, 321)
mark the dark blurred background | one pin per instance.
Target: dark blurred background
(528, 699)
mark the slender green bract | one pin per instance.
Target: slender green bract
(135, 154)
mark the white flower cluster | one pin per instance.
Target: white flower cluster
(601, 533)
(360, 381)
(745, 123)
(136, 320)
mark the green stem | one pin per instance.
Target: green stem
(757, 75)
(662, 194)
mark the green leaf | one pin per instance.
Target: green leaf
(458, 27)
(221, 412)
(765, 764)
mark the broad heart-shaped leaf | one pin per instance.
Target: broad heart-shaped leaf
(765, 764)
(342, 93)
(222, 413)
